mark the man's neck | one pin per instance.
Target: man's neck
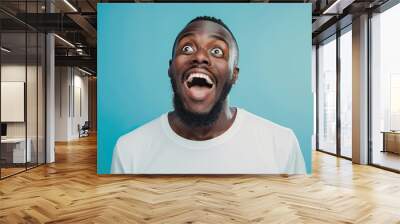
(223, 123)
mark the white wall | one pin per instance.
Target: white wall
(16, 72)
(79, 117)
(10, 73)
(71, 87)
(62, 81)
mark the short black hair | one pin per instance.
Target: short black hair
(215, 20)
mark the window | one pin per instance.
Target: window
(346, 92)
(327, 95)
(385, 89)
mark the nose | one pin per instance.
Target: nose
(201, 57)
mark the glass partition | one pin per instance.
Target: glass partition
(14, 153)
(22, 77)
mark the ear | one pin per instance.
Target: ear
(169, 67)
(235, 75)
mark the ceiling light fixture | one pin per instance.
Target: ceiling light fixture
(331, 7)
(5, 50)
(70, 5)
(84, 71)
(79, 51)
(65, 41)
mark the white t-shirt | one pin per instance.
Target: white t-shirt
(252, 145)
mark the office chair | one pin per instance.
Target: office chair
(84, 130)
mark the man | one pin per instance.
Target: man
(203, 135)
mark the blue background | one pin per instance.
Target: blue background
(135, 43)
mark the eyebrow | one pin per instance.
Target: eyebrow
(218, 37)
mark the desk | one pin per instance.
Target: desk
(391, 141)
(17, 149)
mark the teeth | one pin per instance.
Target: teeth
(200, 75)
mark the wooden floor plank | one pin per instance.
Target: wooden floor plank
(70, 191)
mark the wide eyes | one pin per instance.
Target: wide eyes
(187, 49)
(217, 52)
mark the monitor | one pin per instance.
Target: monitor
(3, 129)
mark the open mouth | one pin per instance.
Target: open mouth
(199, 86)
(200, 80)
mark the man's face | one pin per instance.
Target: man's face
(202, 66)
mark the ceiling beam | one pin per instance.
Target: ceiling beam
(337, 7)
(83, 61)
(86, 26)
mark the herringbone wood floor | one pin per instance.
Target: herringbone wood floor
(70, 191)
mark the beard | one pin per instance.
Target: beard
(193, 119)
